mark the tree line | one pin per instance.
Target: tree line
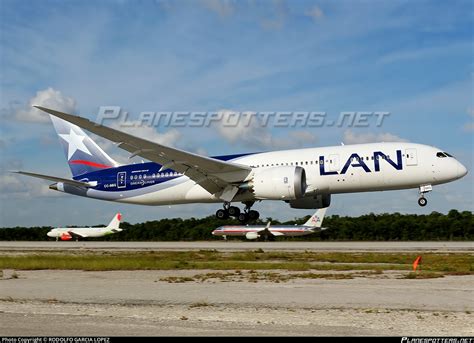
(371, 227)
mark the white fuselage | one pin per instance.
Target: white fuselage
(280, 230)
(329, 170)
(82, 231)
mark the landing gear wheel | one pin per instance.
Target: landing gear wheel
(243, 217)
(222, 214)
(234, 211)
(423, 190)
(254, 215)
(422, 202)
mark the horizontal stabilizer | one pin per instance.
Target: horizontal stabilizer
(55, 179)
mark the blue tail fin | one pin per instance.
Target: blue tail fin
(82, 153)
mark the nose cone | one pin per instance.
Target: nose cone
(462, 171)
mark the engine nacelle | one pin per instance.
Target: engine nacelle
(65, 237)
(252, 235)
(279, 183)
(312, 202)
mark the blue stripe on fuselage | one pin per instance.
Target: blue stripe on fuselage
(136, 176)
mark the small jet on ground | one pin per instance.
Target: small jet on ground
(256, 231)
(66, 234)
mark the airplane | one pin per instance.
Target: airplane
(66, 234)
(303, 178)
(255, 231)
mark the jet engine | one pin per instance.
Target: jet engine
(278, 183)
(316, 201)
(66, 237)
(251, 235)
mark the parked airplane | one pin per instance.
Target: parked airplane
(304, 178)
(255, 231)
(66, 234)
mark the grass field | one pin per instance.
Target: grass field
(433, 264)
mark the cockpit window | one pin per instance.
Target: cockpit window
(448, 154)
(440, 154)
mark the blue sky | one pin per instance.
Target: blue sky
(412, 59)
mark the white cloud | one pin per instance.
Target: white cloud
(223, 8)
(299, 138)
(280, 11)
(351, 137)
(201, 151)
(315, 13)
(469, 127)
(470, 111)
(50, 98)
(236, 129)
(422, 54)
(252, 134)
(169, 138)
(18, 186)
(24, 187)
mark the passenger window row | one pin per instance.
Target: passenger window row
(153, 176)
(355, 159)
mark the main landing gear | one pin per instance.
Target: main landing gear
(424, 189)
(232, 211)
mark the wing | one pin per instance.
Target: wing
(74, 233)
(215, 176)
(55, 179)
(268, 232)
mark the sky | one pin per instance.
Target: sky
(411, 59)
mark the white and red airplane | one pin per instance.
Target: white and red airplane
(303, 178)
(66, 234)
(256, 231)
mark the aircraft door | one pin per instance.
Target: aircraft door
(121, 179)
(411, 157)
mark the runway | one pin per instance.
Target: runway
(465, 246)
(234, 302)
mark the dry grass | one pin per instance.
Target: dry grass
(237, 262)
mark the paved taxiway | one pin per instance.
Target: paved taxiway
(237, 245)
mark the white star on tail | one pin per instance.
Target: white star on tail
(75, 143)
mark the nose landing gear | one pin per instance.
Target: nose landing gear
(424, 189)
(422, 201)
